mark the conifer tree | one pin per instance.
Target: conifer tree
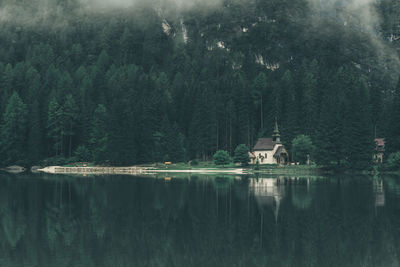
(358, 133)
(393, 131)
(35, 143)
(13, 131)
(241, 155)
(259, 88)
(70, 116)
(55, 126)
(99, 134)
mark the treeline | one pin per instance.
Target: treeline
(139, 86)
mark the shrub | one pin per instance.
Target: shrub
(221, 157)
(194, 162)
(393, 161)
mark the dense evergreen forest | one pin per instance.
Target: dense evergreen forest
(155, 82)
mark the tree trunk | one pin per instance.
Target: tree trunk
(261, 114)
(70, 145)
(70, 140)
(230, 136)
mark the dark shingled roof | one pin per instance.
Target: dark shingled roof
(264, 144)
(280, 150)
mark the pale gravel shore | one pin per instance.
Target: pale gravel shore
(132, 170)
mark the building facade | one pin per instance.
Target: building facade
(270, 150)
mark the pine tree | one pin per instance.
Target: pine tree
(241, 155)
(173, 146)
(35, 143)
(55, 126)
(259, 88)
(328, 135)
(99, 135)
(70, 116)
(6, 85)
(393, 131)
(358, 132)
(13, 131)
(310, 105)
(35, 132)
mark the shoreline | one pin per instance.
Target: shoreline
(134, 170)
(205, 169)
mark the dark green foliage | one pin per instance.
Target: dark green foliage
(58, 161)
(13, 131)
(70, 116)
(393, 132)
(82, 154)
(172, 143)
(301, 147)
(194, 162)
(241, 155)
(132, 93)
(35, 134)
(393, 161)
(55, 123)
(99, 135)
(221, 157)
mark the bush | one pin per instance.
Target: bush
(393, 161)
(195, 162)
(221, 157)
(241, 155)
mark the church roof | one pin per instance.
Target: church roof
(280, 150)
(264, 144)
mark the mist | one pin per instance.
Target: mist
(352, 13)
(117, 4)
(361, 16)
(22, 12)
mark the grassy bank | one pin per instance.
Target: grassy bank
(262, 169)
(186, 166)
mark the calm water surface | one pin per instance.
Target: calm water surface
(199, 221)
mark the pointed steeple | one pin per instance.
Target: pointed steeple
(276, 136)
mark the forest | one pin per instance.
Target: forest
(159, 82)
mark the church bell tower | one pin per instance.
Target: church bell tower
(276, 137)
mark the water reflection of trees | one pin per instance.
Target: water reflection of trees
(204, 221)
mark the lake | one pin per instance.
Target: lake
(56, 220)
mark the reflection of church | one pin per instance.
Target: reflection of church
(267, 192)
(379, 193)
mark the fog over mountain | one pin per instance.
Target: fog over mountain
(39, 9)
(36, 10)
